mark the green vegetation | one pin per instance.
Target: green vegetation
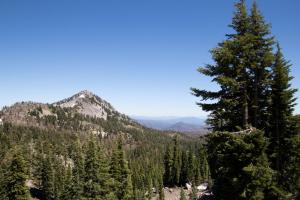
(182, 195)
(60, 164)
(253, 151)
(183, 167)
(14, 176)
(255, 94)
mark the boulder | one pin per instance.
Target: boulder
(202, 187)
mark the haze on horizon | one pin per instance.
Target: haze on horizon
(142, 57)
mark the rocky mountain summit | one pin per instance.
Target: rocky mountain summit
(89, 104)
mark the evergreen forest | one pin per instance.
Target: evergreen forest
(251, 152)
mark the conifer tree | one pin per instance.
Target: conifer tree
(161, 189)
(255, 91)
(15, 178)
(241, 69)
(103, 172)
(240, 168)
(230, 73)
(184, 168)
(96, 173)
(77, 171)
(115, 171)
(258, 178)
(197, 174)
(282, 106)
(292, 170)
(47, 178)
(191, 167)
(2, 182)
(59, 176)
(260, 58)
(168, 163)
(176, 162)
(121, 173)
(203, 164)
(127, 189)
(68, 184)
(149, 186)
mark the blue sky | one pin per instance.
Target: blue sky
(141, 56)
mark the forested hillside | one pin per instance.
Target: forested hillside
(50, 151)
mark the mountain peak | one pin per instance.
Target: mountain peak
(86, 92)
(84, 103)
(87, 103)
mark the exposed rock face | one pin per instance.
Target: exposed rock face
(87, 103)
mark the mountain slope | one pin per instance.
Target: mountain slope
(83, 111)
(87, 103)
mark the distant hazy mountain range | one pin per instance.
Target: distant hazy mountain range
(180, 124)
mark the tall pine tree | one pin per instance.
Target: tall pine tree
(176, 167)
(168, 163)
(15, 178)
(121, 173)
(282, 107)
(68, 185)
(47, 178)
(96, 173)
(259, 64)
(77, 171)
(242, 70)
(229, 106)
(184, 168)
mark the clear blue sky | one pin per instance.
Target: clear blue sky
(141, 55)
